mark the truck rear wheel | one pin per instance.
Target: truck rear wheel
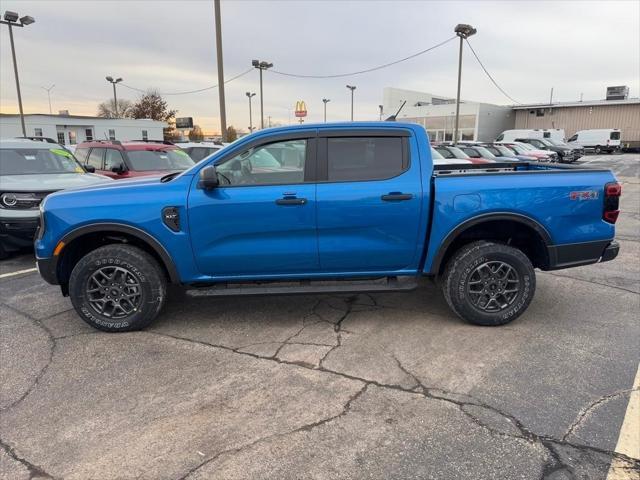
(489, 283)
(117, 288)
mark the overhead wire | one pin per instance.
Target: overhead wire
(189, 91)
(379, 67)
(489, 75)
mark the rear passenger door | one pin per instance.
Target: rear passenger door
(368, 201)
(95, 159)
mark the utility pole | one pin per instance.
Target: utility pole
(381, 111)
(261, 65)
(223, 111)
(352, 88)
(463, 31)
(10, 20)
(49, 95)
(250, 95)
(115, 97)
(325, 101)
(269, 121)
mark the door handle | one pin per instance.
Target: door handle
(396, 197)
(291, 201)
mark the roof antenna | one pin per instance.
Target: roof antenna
(392, 118)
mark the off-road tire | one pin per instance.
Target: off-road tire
(144, 281)
(465, 264)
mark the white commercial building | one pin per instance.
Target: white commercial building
(478, 121)
(73, 129)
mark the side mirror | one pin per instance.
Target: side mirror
(119, 169)
(90, 168)
(208, 178)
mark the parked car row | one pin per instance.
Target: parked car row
(596, 140)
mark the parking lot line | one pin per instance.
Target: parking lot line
(19, 272)
(629, 439)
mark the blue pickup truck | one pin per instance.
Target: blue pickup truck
(348, 207)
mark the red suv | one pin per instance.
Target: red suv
(135, 158)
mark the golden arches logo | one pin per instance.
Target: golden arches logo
(301, 108)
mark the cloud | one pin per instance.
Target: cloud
(576, 47)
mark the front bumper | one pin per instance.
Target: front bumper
(47, 267)
(17, 233)
(578, 254)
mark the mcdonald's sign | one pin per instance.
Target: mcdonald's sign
(301, 109)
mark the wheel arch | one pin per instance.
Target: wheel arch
(532, 237)
(82, 240)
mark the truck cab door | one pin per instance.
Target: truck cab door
(369, 201)
(260, 221)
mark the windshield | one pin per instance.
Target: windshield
(518, 149)
(435, 155)
(525, 146)
(546, 142)
(484, 152)
(145, 160)
(458, 153)
(26, 161)
(557, 143)
(504, 151)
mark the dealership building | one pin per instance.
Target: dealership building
(71, 129)
(478, 121)
(623, 114)
(484, 121)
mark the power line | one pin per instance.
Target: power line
(489, 75)
(189, 91)
(368, 69)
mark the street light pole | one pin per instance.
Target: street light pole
(49, 95)
(381, 111)
(261, 65)
(115, 97)
(223, 111)
(325, 101)
(463, 31)
(250, 95)
(10, 19)
(352, 88)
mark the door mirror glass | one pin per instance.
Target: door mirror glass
(208, 178)
(90, 168)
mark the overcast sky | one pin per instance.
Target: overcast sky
(574, 46)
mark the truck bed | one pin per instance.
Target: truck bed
(509, 167)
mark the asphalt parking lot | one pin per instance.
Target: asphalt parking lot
(384, 386)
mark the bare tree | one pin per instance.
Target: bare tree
(196, 134)
(152, 105)
(107, 109)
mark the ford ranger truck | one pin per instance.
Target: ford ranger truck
(350, 207)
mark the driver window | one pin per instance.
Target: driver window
(275, 163)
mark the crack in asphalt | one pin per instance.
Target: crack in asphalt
(34, 470)
(307, 427)
(590, 281)
(52, 348)
(595, 404)
(550, 444)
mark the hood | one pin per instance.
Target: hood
(50, 182)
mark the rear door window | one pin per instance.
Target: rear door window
(614, 135)
(95, 158)
(81, 154)
(365, 158)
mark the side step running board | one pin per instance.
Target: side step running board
(302, 287)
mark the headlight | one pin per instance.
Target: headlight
(41, 224)
(19, 200)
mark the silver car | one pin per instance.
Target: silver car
(29, 171)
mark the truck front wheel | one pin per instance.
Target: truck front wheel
(489, 283)
(117, 288)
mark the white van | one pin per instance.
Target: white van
(600, 140)
(552, 133)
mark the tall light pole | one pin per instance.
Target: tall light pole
(381, 108)
(463, 31)
(261, 65)
(250, 95)
(325, 101)
(49, 95)
(352, 88)
(11, 19)
(223, 111)
(115, 97)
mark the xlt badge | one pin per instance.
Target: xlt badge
(171, 218)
